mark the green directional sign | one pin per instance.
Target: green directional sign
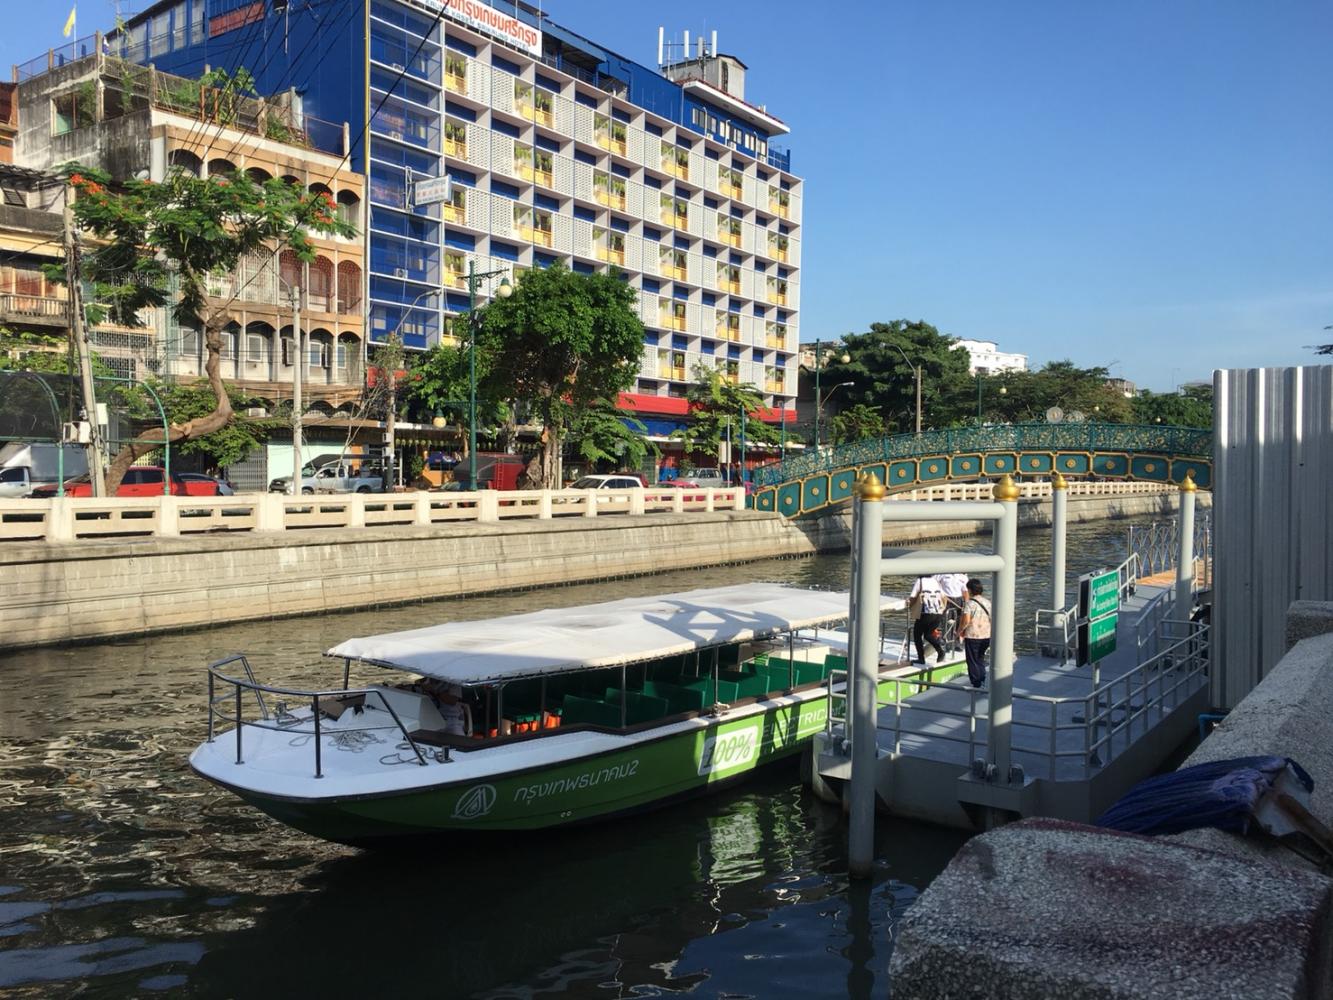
(1096, 639)
(1098, 594)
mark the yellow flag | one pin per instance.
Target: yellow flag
(69, 24)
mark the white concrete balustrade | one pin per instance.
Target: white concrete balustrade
(65, 519)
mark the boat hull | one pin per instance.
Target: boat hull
(642, 775)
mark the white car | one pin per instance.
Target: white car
(620, 482)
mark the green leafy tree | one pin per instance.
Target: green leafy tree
(1028, 395)
(603, 432)
(558, 343)
(716, 406)
(225, 446)
(1192, 407)
(883, 381)
(191, 228)
(438, 382)
(857, 423)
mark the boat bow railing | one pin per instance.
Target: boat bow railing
(229, 707)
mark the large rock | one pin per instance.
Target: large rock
(1044, 908)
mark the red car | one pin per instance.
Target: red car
(139, 481)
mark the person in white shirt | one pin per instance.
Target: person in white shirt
(929, 617)
(954, 586)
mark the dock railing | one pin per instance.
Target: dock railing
(1142, 696)
(229, 707)
(61, 519)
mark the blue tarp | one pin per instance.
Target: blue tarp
(1221, 794)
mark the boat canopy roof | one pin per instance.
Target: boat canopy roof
(632, 630)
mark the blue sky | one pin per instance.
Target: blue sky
(1148, 182)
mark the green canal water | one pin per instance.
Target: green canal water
(121, 874)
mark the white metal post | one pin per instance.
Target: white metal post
(869, 510)
(1185, 561)
(298, 405)
(1059, 519)
(1002, 635)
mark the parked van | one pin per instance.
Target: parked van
(25, 467)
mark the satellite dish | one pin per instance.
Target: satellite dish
(1054, 415)
(1077, 417)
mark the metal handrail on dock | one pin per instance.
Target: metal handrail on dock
(1187, 653)
(235, 698)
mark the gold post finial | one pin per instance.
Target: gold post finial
(1058, 482)
(1006, 488)
(868, 487)
(1187, 485)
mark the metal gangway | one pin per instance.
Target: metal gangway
(1046, 736)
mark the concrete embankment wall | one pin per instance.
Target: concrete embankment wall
(91, 590)
(1049, 909)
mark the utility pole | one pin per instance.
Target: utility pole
(298, 370)
(918, 399)
(79, 340)
(390, 417)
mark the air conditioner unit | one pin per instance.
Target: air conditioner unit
(256, 411)
(399, 67)
(400, 272)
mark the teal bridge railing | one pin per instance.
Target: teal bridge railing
(1149, 452)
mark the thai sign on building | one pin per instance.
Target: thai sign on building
(490, 21)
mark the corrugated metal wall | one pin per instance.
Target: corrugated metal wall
(1273, 511)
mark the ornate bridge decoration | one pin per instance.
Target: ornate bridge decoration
(1151, 453)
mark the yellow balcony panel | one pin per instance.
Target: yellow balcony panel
(456, 82)
(666, 371)
(734, 239)
(534, 235)
(667, 271)
(454, 147)
(455, 279)
(731, 287)
(452, 213)
(733, 191)
(731, 378)
(611, 256)
(780, 255)
(774, 387)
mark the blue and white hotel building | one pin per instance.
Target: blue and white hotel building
(558, 149)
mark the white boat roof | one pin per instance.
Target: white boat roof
(632, 630)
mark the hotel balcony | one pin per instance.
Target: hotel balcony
(456, 148)
(669, 320)
(612, 143)
(611, 256)
(666, 270)
(533, 234)
(611, 199)
(777, 298)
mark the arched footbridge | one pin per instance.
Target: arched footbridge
(1150, 453)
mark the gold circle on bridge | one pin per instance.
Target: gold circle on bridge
(786, 501)
(902, 473)
(1033, 463)
(814, 490)
(1069, 463)
(1149, 467)
(932, 467)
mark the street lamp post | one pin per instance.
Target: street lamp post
(474, 279)
(1004, 391)
(819, 366)
(391, 414)
(829, 395)
(916, 371)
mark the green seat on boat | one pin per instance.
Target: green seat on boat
(809, 671)
(778, 670)
(747, 685)
(578, 709)
(680, 699)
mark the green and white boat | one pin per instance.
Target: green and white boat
(540, 720)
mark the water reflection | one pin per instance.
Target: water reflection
(125, 875)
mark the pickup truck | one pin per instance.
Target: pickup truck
(340, 477)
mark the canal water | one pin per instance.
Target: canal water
(121, 874)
